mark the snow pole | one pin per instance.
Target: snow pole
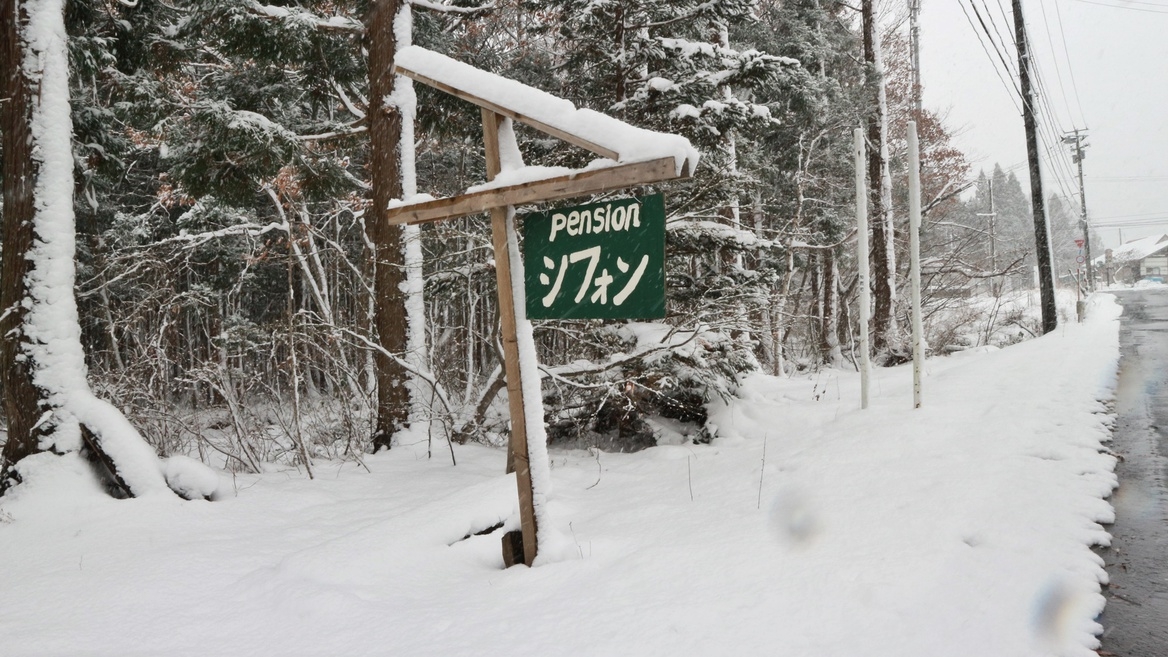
(914, 253)
(862, 281)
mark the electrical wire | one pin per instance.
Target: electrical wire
(1127, 179)
(993, 64)
(1054, 58)
(1070, 69)
(998, 50)
(1128, 8)
(1061, 168)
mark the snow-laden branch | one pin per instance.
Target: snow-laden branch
(799, 244)
(348, 102)
(559, 372)
(335, 23)
(199, 239)
(354, 128)
(450, 9)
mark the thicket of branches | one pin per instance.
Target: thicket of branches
(225, 278)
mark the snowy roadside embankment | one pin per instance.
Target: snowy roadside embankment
(962, 528)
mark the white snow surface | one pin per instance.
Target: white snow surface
(808, 527)
(51, 325)
(632, 143)
(190, 478)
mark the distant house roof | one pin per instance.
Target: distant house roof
(1137, 249)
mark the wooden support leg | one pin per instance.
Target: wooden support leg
(518, 444)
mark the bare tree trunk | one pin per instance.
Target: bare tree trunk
(830, 325)
(385, 124)
(880, 181)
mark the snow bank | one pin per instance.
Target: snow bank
(190, 478)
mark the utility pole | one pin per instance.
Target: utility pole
(1041, 228)
(914, 40)
(1077, 147)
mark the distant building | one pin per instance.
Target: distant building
(1135, 260)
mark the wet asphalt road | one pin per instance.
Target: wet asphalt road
(1135, 621)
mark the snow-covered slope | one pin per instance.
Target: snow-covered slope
(809, 527)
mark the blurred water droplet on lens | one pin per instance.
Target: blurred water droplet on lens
(1054, 612)
(794, 517)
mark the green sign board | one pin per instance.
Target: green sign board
(599, 261)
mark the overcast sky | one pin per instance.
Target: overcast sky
(1114, 52)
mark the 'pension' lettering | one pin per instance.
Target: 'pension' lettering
(603, 219)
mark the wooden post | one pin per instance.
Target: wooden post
(517, 456)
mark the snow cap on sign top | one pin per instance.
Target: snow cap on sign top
(632, 143)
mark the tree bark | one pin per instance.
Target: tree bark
(385, 125)
(879, 181)
(21, 400)
(829, 337)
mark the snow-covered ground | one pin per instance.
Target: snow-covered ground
(809, 527)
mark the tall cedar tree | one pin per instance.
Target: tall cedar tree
(385, 127)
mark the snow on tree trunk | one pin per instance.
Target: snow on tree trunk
(47, 337)
(390, 317)
(406, 101)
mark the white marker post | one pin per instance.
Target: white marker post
(914, 254)
(862, 281)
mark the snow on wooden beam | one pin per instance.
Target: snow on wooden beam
(512, 114)
(588, 129)
(581, 183)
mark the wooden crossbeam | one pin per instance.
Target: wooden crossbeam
(575, 140)
(581, 183)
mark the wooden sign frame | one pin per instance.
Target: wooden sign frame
(500, 202)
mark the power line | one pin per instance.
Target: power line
(1127, 179)
(1128, 8)
(998, 50)
(1138, 215)
(1149, 3)
(1054, 58)
(995, 24)
(994, 65)
(1060, 169)
(1162, 221)
(1070, 69)
(1057, 169)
